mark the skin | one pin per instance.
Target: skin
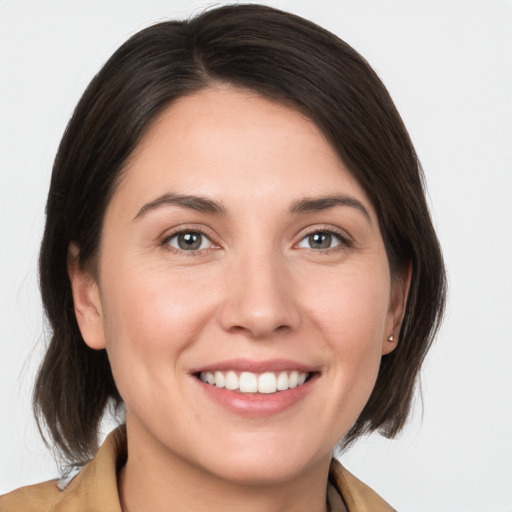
(257, 289)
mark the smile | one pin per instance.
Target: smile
(249, 382)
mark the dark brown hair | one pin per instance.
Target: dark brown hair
(282, 57)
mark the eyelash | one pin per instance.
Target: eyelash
(195, 252)
(343, 242)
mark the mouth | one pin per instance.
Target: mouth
(254, 383)
(257, 389)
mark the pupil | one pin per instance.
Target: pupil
(189, 241)
(320, 240)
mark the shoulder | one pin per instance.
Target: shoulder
(357, 496)
(32, 498)
(93, 488)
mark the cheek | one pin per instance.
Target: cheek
(151, 317)
(351, 307)
(352, 312)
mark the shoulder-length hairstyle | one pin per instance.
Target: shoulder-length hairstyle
(282, 57)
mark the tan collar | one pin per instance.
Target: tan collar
(358, 497)
(95, 487)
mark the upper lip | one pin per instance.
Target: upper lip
(247, 365)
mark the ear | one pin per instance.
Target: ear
(398, 301)
(86, 299)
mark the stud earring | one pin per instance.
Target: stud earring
(391, 338)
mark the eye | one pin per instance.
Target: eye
(320, 240)
(189, 241)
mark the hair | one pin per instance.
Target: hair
(284, 58)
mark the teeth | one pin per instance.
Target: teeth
(219, 379)
(294, 379)
(248, 382)
(267, 383)
(283, 381)
(231, 381)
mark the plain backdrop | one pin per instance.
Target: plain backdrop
(448, 66)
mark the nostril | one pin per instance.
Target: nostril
(258, 332)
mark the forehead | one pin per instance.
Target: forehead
(235, 144)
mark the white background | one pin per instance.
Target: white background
(448, 65)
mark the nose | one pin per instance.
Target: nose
(259, 298)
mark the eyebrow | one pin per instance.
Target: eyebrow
(200, 204)
(317, 204)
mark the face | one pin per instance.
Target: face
(244, 295)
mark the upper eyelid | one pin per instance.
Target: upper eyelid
(190, 228)
(164, 241)
(341, 233)
(345, 240)
(185, 231)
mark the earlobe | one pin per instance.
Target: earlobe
(389, 344)
(398, 302)
(86, 300)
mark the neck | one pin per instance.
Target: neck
(154, 479)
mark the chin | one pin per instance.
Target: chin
(266, 463)
(258, 472)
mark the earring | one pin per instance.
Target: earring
(391, 338)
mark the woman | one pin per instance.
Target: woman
(238, 253)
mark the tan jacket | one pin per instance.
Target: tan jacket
(94, 489)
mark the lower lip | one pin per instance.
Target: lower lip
(257, 404)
